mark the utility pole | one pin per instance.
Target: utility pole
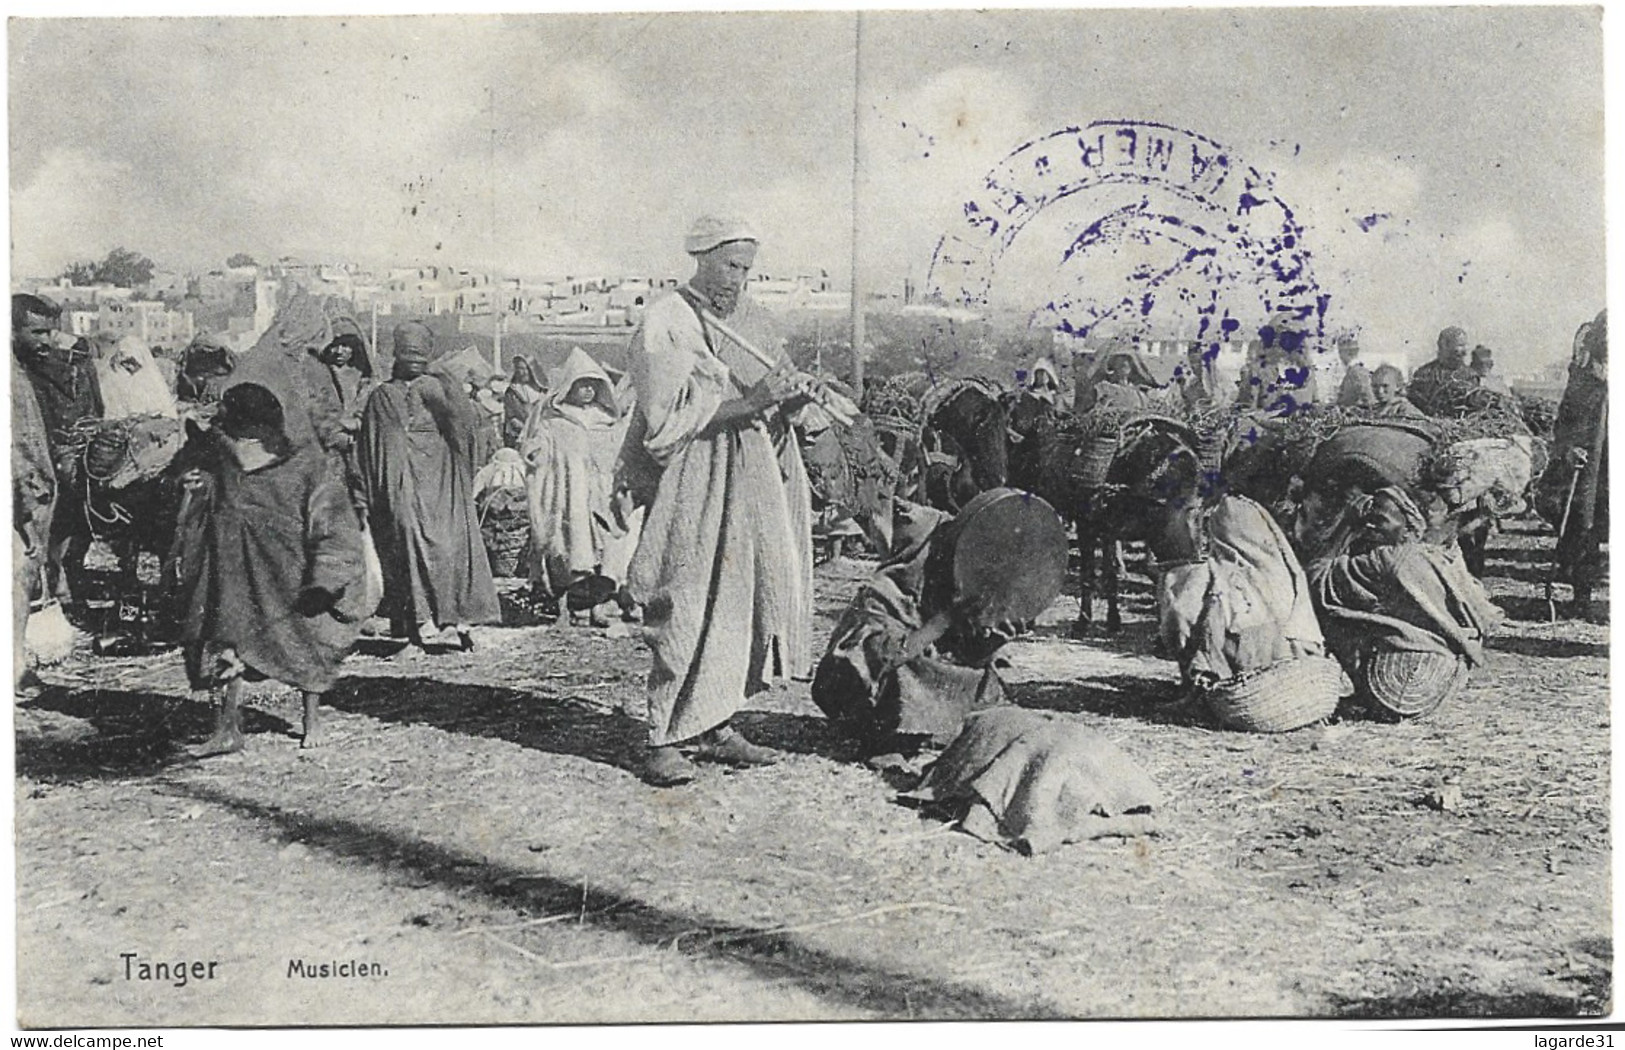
(496, 283)
(496, 340)
(858, 336)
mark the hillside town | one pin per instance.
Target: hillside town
(235, 305)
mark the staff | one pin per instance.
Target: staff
(839, 406)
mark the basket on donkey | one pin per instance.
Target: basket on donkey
(1281, 697)
(1076, 453)
(114, 454)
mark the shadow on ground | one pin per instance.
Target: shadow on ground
(1590, 1000)
(1592, 983)
(135, 734)
(556, 724)
(1137, 637)
(560, 725)
(1553, 648)
(797, 734)
(774, 954)
(1523, 571)
(1536, 610)
(1154, 700)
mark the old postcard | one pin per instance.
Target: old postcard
(824, 516)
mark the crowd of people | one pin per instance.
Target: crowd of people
(1121, 379)
(1571, 493)
(302, 496)
(312, 495)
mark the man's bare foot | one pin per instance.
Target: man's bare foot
(29, 686)
(223, 742)
(315, 735)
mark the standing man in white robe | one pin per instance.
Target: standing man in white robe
(724, 565)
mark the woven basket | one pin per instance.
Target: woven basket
(1094, 458)
(1284, 696)
(892, 407)
(506, 532)
(1210, 449)
(1412, 685)
(121, 452)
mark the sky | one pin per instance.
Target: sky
(541, 145)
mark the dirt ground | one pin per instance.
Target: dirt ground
(479, 834)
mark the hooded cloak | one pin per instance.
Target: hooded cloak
(1034, 780)
(517, 403)
(570, 451)
(1244, 606)
(416, 453)
(1409, 596)
(250, 542)
(131, 383)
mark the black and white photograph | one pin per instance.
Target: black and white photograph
(810, 516)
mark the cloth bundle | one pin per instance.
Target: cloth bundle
(1498, 470)
(505, 471)
(1033, 780)
(131, 383)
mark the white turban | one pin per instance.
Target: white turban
(709, 231)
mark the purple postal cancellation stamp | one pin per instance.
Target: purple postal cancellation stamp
(1162, 231)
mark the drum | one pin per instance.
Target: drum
(1009, 556)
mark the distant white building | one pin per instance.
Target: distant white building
(804, 291)
(243, 330)
(80, 322)
(71, 296)
(165, 284)
(577, 312)
(630, 294)
(230, 289)
(153, 323)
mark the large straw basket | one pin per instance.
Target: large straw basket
(1075, 455)
(1095, 456)
(1286, 695)
(505, 527)
(1412, 685)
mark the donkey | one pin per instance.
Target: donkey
(1118, 492)
(128, 474)
(966, 440)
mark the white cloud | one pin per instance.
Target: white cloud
(70, 209)
(1398, 272)
(925, 153)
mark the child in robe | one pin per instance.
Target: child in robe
(1388, 394)
(272, 581)
(570, 444)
